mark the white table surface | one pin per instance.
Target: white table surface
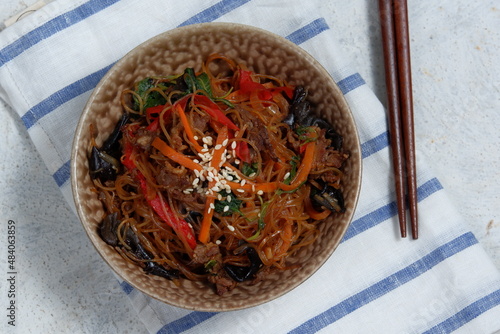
(456, 79)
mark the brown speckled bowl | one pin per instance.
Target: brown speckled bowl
(170, 53)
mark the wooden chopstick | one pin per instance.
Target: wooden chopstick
(396, 43)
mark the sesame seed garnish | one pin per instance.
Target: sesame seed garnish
(231, 228)
(224, 143)
(287, 175)
(260, 192)
(228, 199)
(252, 175)
(243, 182)
(196, 138)
(218, 146)
(212, 206)
(237, 161)
(233, 145)
(218, 242)
(226, 208)
(240, 190)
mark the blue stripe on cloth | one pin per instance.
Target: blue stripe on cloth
(467, 314)
(51, 27)
(186, 322)
(127, 288)
(387, 284)
(375, 144)
(308, 31)
(214, 12)
(62, 96)
(389, 210)
(350, 83)
(62, 174)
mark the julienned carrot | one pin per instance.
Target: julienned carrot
(304, 168)
(220, 147)
(300, 177)
(174, 155)
(208, 213)
(187, 127)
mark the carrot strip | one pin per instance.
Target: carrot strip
(220, 147)
(174, 155)
(208, 213)
(304, 168)
(301, 177)
(187, 127)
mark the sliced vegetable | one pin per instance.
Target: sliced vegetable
(230, 201)
(162, 209)
(220, 147)
(214, 111)
(178, 157)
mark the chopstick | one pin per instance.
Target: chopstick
(396, 44)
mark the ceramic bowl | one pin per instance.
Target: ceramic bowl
(170, 53)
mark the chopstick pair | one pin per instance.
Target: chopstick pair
(396, 44)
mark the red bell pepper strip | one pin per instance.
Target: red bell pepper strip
(183, 230)
(243, 152)
(214, 111)
(247, 86)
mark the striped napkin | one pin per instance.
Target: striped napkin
(375, 282)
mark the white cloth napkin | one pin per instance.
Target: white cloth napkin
(375, 282)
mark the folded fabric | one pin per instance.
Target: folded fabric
(375, 281)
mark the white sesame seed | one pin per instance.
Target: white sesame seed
(226, 208)
(218, 242)
(205, 149)
(215, 188)
(218, 146)
(233, 145)
(240, 190)
(195, 137)
(260, 192)
(209, 210)
(228, 199)
(197, 161)
(224, 143)
(237, 161)
(196, 181)
(212, 206)
(252, 175)
(229, 178)
(287, 175)
(243, 182)
(231, 228)
(188, 191)
(253, 187)
(219, 197)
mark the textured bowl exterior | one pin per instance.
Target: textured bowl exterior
(170, 53)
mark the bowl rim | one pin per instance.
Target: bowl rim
(210, 26)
